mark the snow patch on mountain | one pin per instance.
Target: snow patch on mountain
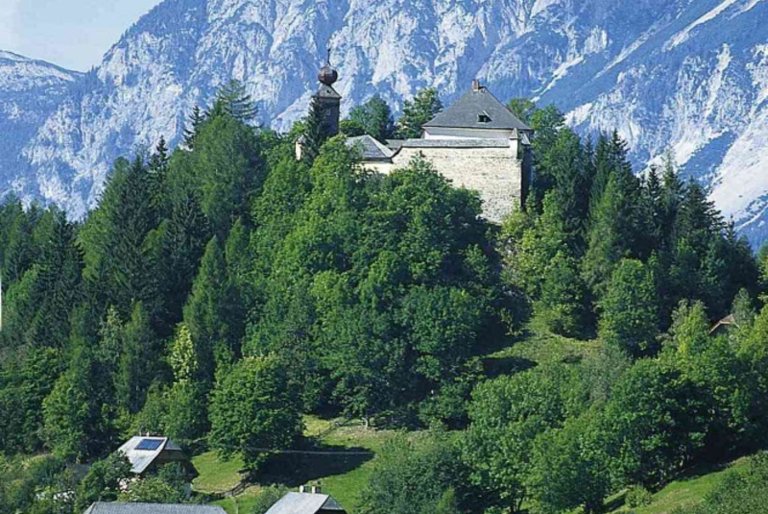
(685, 34)
(686, 75)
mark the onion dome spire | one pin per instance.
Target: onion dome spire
(328, 75)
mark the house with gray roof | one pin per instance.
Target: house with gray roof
(476, 143)
(148, 453)
(151, 508)
(306, 503)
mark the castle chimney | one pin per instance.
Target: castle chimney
(302, 489)
(316, 489)
(476, 85)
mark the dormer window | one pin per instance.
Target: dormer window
(483, 118)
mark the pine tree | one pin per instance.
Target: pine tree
(140, 361)
(196, 120)
(117, 265)
(229, 170)
(158, 161)
(618, 225)
(233, 100)
(213, 313)
(424, 106)
(314, 135)
(374, 118)
(74, 422)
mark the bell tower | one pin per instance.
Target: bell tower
(328, 99)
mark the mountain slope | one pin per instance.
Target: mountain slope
(690, 75)
(29, 92)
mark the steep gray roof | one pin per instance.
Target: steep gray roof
(151, 508)
(465, 112)
(142, 455)
(371, 149)
(305, 503)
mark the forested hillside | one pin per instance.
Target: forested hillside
(222, 291)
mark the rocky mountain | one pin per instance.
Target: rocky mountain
(685, 75)
(30, 92)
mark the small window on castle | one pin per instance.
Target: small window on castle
(483, 118)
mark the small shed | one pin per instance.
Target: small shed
(306, 503)
(151, 508)
(147, 453)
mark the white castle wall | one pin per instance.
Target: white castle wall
(496, 173)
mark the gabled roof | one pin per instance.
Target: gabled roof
(142, 451)
(467, 110)
(151, 508)
(305, 503)
(371, 149)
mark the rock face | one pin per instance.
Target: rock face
(30, 91)
(686, 75)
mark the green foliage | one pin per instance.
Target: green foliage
(25, 381)
(213, 314)
(426, 469)
(418, 111)
(743, 492)
(562, 300)
(151, 490)
(655, 422)
(629, 317)
(506, 416)
(74, 421)
(267, 498)
(103, 481)
(373, 118)
(523, 108)
(570, 467)
(638, 496)
(234, 101)
(253, 411)
(229, 170)
(139, 361)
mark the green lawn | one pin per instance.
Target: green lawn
(684, 492)
(340, 474)
(534, 347)
(216, 475)
(241, 504)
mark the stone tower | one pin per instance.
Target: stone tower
(328, 100)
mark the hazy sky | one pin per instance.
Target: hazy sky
(74, 34)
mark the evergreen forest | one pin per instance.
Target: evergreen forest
(222, 291)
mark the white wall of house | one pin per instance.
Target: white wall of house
(466, 133)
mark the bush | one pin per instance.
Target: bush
(268, 497)
(637, 496)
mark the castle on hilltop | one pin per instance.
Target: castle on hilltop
(477, 143)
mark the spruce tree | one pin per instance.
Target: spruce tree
(618, 225)
(374, 118)
(140, 361)
(196, 120)
(233, 100)
(213, 313)
(424, 106)
(314, 135)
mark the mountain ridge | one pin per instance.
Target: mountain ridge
(690, 76)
